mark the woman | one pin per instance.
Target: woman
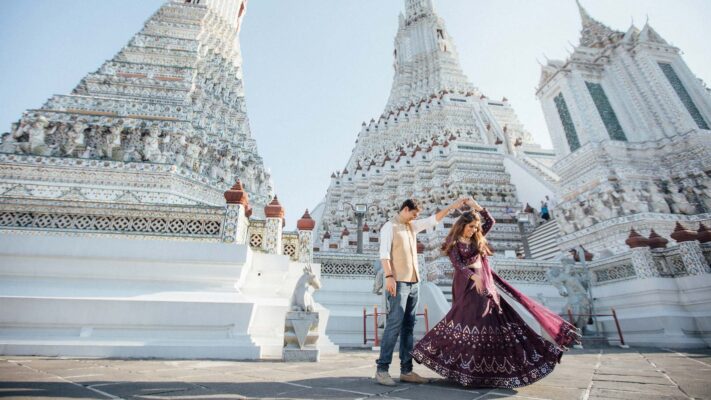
(483, 341)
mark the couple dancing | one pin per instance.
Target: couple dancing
(482, 341)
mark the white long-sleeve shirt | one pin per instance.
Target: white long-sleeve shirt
(386, 233)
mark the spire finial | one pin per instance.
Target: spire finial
(414, 8)
(583, 13)
(594, 33)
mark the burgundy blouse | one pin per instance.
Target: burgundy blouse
(462, 254)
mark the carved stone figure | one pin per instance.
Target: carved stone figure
(302, 300)
(74, 138)
(132, 151)
(176, 149)
(112, 141)
(192, 154)
(570, 285)
(631, 204)
(223, 170)
(600, 210)
(561, 216)
(680, 204)
(703, 191)
(36, 131)
(657, 201)
(8, 144)
(581, 218)
(151, 145)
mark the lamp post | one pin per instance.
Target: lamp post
(359, 210)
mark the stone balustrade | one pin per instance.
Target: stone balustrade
(228, 224)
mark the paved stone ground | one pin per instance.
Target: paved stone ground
(608, 373)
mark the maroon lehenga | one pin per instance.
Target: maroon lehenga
(483, 341)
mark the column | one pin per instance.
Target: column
(305, 226)
(273, 227)
(235, 221)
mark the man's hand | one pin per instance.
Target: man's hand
(390, 286)
(457, 204)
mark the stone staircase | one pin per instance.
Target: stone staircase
(543, 171)
(543, 241)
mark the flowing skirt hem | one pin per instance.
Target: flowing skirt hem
(532, 376)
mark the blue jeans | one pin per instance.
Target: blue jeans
(402, 315)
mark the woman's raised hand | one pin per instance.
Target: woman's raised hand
(473, 204)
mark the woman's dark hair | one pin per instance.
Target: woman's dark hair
(479, 239)
(411, 204)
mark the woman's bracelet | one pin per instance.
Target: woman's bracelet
(388, 276)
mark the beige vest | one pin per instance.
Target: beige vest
(403, 252)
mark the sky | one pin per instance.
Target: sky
(315, 69)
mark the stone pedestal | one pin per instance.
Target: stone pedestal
(300, 336)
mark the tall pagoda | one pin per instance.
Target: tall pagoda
(163, 122)
(438, 138)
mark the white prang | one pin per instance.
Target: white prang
(438, 138)
(630, 125)
(172, 101)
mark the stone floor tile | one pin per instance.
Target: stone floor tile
(626, 371)
(544, 391)
(646, 388)
(129, 389)
(258, 389)
(194, 394)
(658, 379)
(47, 390)
(600, 393)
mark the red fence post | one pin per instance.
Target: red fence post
(570, 317)
(617, 324)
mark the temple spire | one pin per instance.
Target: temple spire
(594, 33)
(417, 8)
(426, 62)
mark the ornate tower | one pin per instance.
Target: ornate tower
(438, 138)
(163, 122)
(630, 126)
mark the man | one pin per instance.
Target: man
(398, 256)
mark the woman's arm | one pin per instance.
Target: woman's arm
(488, 222)
(458, 263)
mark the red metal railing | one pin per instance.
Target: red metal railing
(613, 315)
(375, 314)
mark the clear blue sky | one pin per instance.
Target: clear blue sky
(315, 69)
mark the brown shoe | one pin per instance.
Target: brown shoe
(412, 377)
